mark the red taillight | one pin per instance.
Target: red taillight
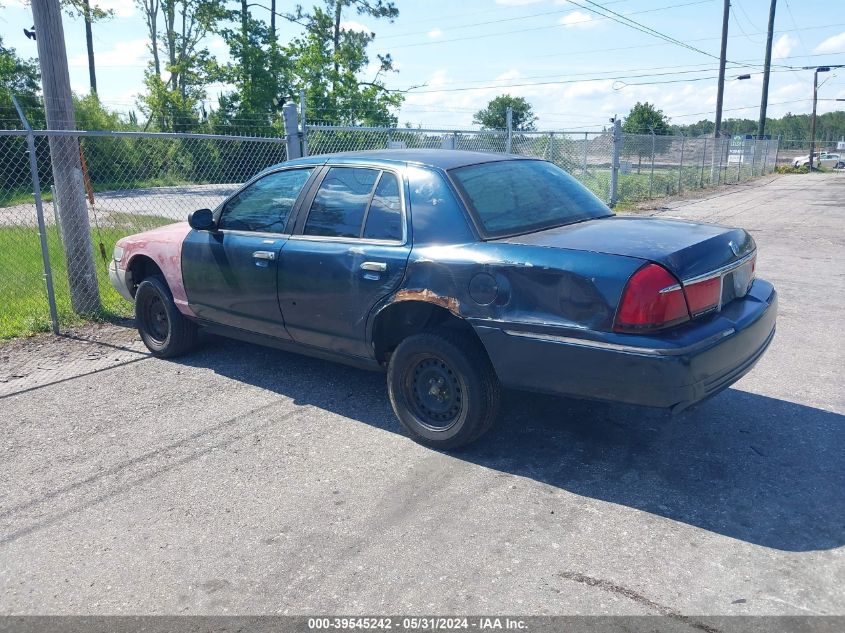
(703, 295)
(652, 299)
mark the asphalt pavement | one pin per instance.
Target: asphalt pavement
(246, 480)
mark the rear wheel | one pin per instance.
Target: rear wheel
(443, 388)
(840, 165)
(164, 330)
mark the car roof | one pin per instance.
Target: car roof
(438, 158)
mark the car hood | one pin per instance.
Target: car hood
(685, 248)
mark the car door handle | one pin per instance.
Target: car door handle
(266, 255)
(375, 267)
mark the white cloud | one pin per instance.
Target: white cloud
(834, 44)
(579, 20)
(783, 46)
(121, 8)
(435, 33)
(517, 3)
(355, 26)
(129, 53)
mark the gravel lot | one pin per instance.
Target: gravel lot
(245, 480)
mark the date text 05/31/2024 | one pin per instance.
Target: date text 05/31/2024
(482, 623)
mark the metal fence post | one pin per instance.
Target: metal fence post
(302, 123)
(681, 164)
(586, 144)
(741, 159)
(510, 131)
(294, 146)
(721, 142)
(39, 213)
(703, 160)
(755, 147)
(614, 168)
(765, 166)
(551, 147)
(651, 175)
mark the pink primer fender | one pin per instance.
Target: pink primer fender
(164, 246)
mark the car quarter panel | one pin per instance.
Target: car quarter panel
(164, 246)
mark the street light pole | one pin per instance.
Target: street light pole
(820, 69)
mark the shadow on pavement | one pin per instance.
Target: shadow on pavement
(754, 468)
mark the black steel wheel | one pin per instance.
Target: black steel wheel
(443, 388)
(165, 331)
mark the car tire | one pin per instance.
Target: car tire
(840, 165)
(443, 388)
(163, 329)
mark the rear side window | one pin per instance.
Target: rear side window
(384, 219)
(265, 205)
(355, 202)
(340, 203)
(510, 197)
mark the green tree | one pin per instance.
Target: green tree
(174, 103)
(327, 61)
(259, 72)
(495, 115)
(701, 128)
(644, 118)
(89, 13)
(19, 77)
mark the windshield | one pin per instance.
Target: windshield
(510, 197)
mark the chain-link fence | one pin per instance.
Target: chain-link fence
(88, 189)
(96, 187)
(647, 165)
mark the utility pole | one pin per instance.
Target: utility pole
(64, 158)
(764, 99)
(89, 42)
(720, 93)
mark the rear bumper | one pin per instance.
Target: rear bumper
(673, 371)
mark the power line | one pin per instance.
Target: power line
(537, 28)
(571, 81)
(499, 21)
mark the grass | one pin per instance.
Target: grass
(24, 309)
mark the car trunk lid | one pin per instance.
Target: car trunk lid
(688, 250)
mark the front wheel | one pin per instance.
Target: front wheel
(164, 330)
(840, 165)
(443, 388)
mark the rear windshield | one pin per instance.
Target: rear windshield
(510, 197)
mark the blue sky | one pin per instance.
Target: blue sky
(575, 68)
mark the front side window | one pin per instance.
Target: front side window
(510, 197)
(265, 205)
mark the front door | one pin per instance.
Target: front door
(230, 274)
(349, 252)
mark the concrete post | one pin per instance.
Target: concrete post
(302, 123)
(614, 168)
(292, 140)
(509, 144)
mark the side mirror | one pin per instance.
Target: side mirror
(201, 220)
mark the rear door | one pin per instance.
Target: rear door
(346, 253)
(230, 273)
